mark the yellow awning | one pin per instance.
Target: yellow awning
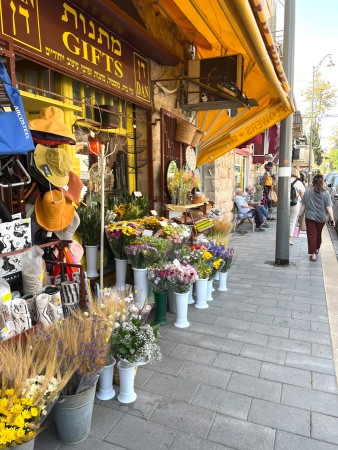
(228, 27)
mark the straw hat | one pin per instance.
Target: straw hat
(53, 211)
(51, 120)
(53, 163)
(68, 233)
(73, 189)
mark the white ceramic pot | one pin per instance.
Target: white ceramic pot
(121, 272)
(181, 310)
(191, 300)
(106, 390)
(127, 376)
(209, 290)
(140, 286)
(216, 277)
(223, 276)
(201, 293)
(91, 260)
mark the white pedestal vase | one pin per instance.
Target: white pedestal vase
(209, 290)
(140, 286)
(106, 391)
(171, 301)
(216, 277)
(223, 276)
(181, 310)
(120, 272)
(127, 376)
(191, 300)
(201, 293)
(91, 260)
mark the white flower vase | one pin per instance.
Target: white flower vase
(201, 293)
(120, 272)
(106, 391)
(191, 300)
(209, 290)
(91, 260)
(171, 301)
(127, 376)
(223, 276)
(181, 310)
(140, 286)
(216, 277)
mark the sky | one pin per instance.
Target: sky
(316, 36)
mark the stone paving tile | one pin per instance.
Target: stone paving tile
(318, 309)
(48, 438)
(223, 402)
(288, 441)
(280, 417)
(259, 300)
(103, 420)
(142, 437)
(321, 365)
(271, 330)
(324, 383)
(232, 323)
(310, 336)
(193, 353)
(221, 344)
(183, 336)
(289, 345)
(254, 317)
(220, 311)
(168, 365)
(183, 417)
(311, 300)
(237, 364)
(280, 312)
(205, 374)
(325, 428)
(292, 323)
(171, 387)
(239, 434)
(198, 315)
(206, 328)
(90, 443)
(255, 387)
(320, 327)
(190, 442)
(322, 351)
(167, 346)
(297, 306)
(286, 375)
(263, 353)
(244, 336)
(311, 400)
(142, 375)
(314, 317)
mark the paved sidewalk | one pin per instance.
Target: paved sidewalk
(254, 371)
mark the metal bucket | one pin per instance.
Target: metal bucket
(73, 416)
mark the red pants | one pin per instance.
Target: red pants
(314, 235)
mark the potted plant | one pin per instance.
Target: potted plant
(227, 261)
(158, 278)
(135, 343)
(203, 270)
(90, 231)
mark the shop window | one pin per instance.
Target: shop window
(33, 80)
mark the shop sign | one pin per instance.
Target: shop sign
(59, 34)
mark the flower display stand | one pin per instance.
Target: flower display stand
(209, 290)
(181, 310)
(171, 300)
(161, 307)
(127, 376)
(121, 272)
(190, 298)
(91, 260)
(223, 277)
(201, 293)
(106, 390)
(140, 286)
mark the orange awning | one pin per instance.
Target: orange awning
(229, 27)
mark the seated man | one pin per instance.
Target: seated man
(248, 195)
(244, 208)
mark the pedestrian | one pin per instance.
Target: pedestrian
(267, 182)
(295, 198)
(316, 203)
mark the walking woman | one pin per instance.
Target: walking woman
(317, 204)
(299, 190)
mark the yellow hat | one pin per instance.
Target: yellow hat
(53, 163)
(53, 211)
(51, 120)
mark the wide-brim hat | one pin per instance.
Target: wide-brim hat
(40, 137)
(53, 163)
(53, 211)
(68, 233)
(51, 120)
(74, 188)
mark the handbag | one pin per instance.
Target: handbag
(272, 195)
(296, 232)
(15, 136)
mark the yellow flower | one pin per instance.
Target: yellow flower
(34, 412)
(9, 392)
(207, 255)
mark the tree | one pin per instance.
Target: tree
(324, 99)
(333, 138)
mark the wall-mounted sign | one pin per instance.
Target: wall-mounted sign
(59, 34)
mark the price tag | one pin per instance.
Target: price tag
(7, 297)
(147, 233)
(92, 134)
(174, 225)
(137, 194)
(153, 212)
(176, 263)
(163, 223)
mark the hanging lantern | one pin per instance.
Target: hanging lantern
(95, 146)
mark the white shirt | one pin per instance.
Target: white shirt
(300, 188)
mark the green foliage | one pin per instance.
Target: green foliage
(128, 207)
(90, 225)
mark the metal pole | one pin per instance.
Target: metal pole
(311, 125)
(285, 146)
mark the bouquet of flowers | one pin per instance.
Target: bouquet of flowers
(158, 277)
(203, 268)
(145, 251)
(136, 342)
(216, 261)
(128, 207)
(177, 233)
(119, 234)
(227, 259)
(181, 277)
